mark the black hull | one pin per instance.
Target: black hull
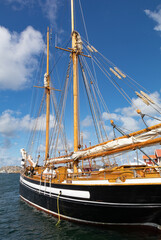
(107, 205)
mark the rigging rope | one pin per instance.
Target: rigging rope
(113, 82)
(60, 56)
(95, 121)
(32, 135)
(59, 119)
(96, 101)
(128, 81)
(133, 82)
(56, 121)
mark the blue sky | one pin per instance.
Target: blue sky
(127, 32)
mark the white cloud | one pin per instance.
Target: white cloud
(130, 123)
(41, 148)
(23, 2)
(129, 119)
(50, 11)
(8, 124)
(110, 116)
(61, 147)
(137, 103)
(50, 8)
(7, 158)
(5, 143)
(87, 122)
(11, 123)
(86, 135)
(19, 4)
(13, 126)
(152, 122)
(156, 16)
(18, 56)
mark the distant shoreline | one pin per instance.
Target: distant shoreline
(10, 169)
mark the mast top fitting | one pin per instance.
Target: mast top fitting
(78, 42)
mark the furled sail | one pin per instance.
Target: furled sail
(139, 139)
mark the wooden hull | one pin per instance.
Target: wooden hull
(96, 204)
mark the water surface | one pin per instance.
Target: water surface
(21, 221)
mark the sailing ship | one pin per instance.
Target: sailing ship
(67, 188)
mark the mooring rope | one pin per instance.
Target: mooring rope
(58, 209)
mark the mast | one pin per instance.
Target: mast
(75, 84)
(47, 90)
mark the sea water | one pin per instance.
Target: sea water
(18, 220)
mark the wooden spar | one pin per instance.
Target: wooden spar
(60, 161)
(75, 84)
(47, 90)
(75, 101)
(123, 149)
(133, 146)
(130, 135)
(72, 18)
(110, 152)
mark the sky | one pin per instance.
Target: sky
(127, 32)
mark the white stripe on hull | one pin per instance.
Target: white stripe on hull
(65, 192)
(90, 222)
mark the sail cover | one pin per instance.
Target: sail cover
(119, 144)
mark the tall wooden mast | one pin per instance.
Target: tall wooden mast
(75, 83)
(47, 89)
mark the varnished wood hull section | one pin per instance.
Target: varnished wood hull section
(107, 205)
